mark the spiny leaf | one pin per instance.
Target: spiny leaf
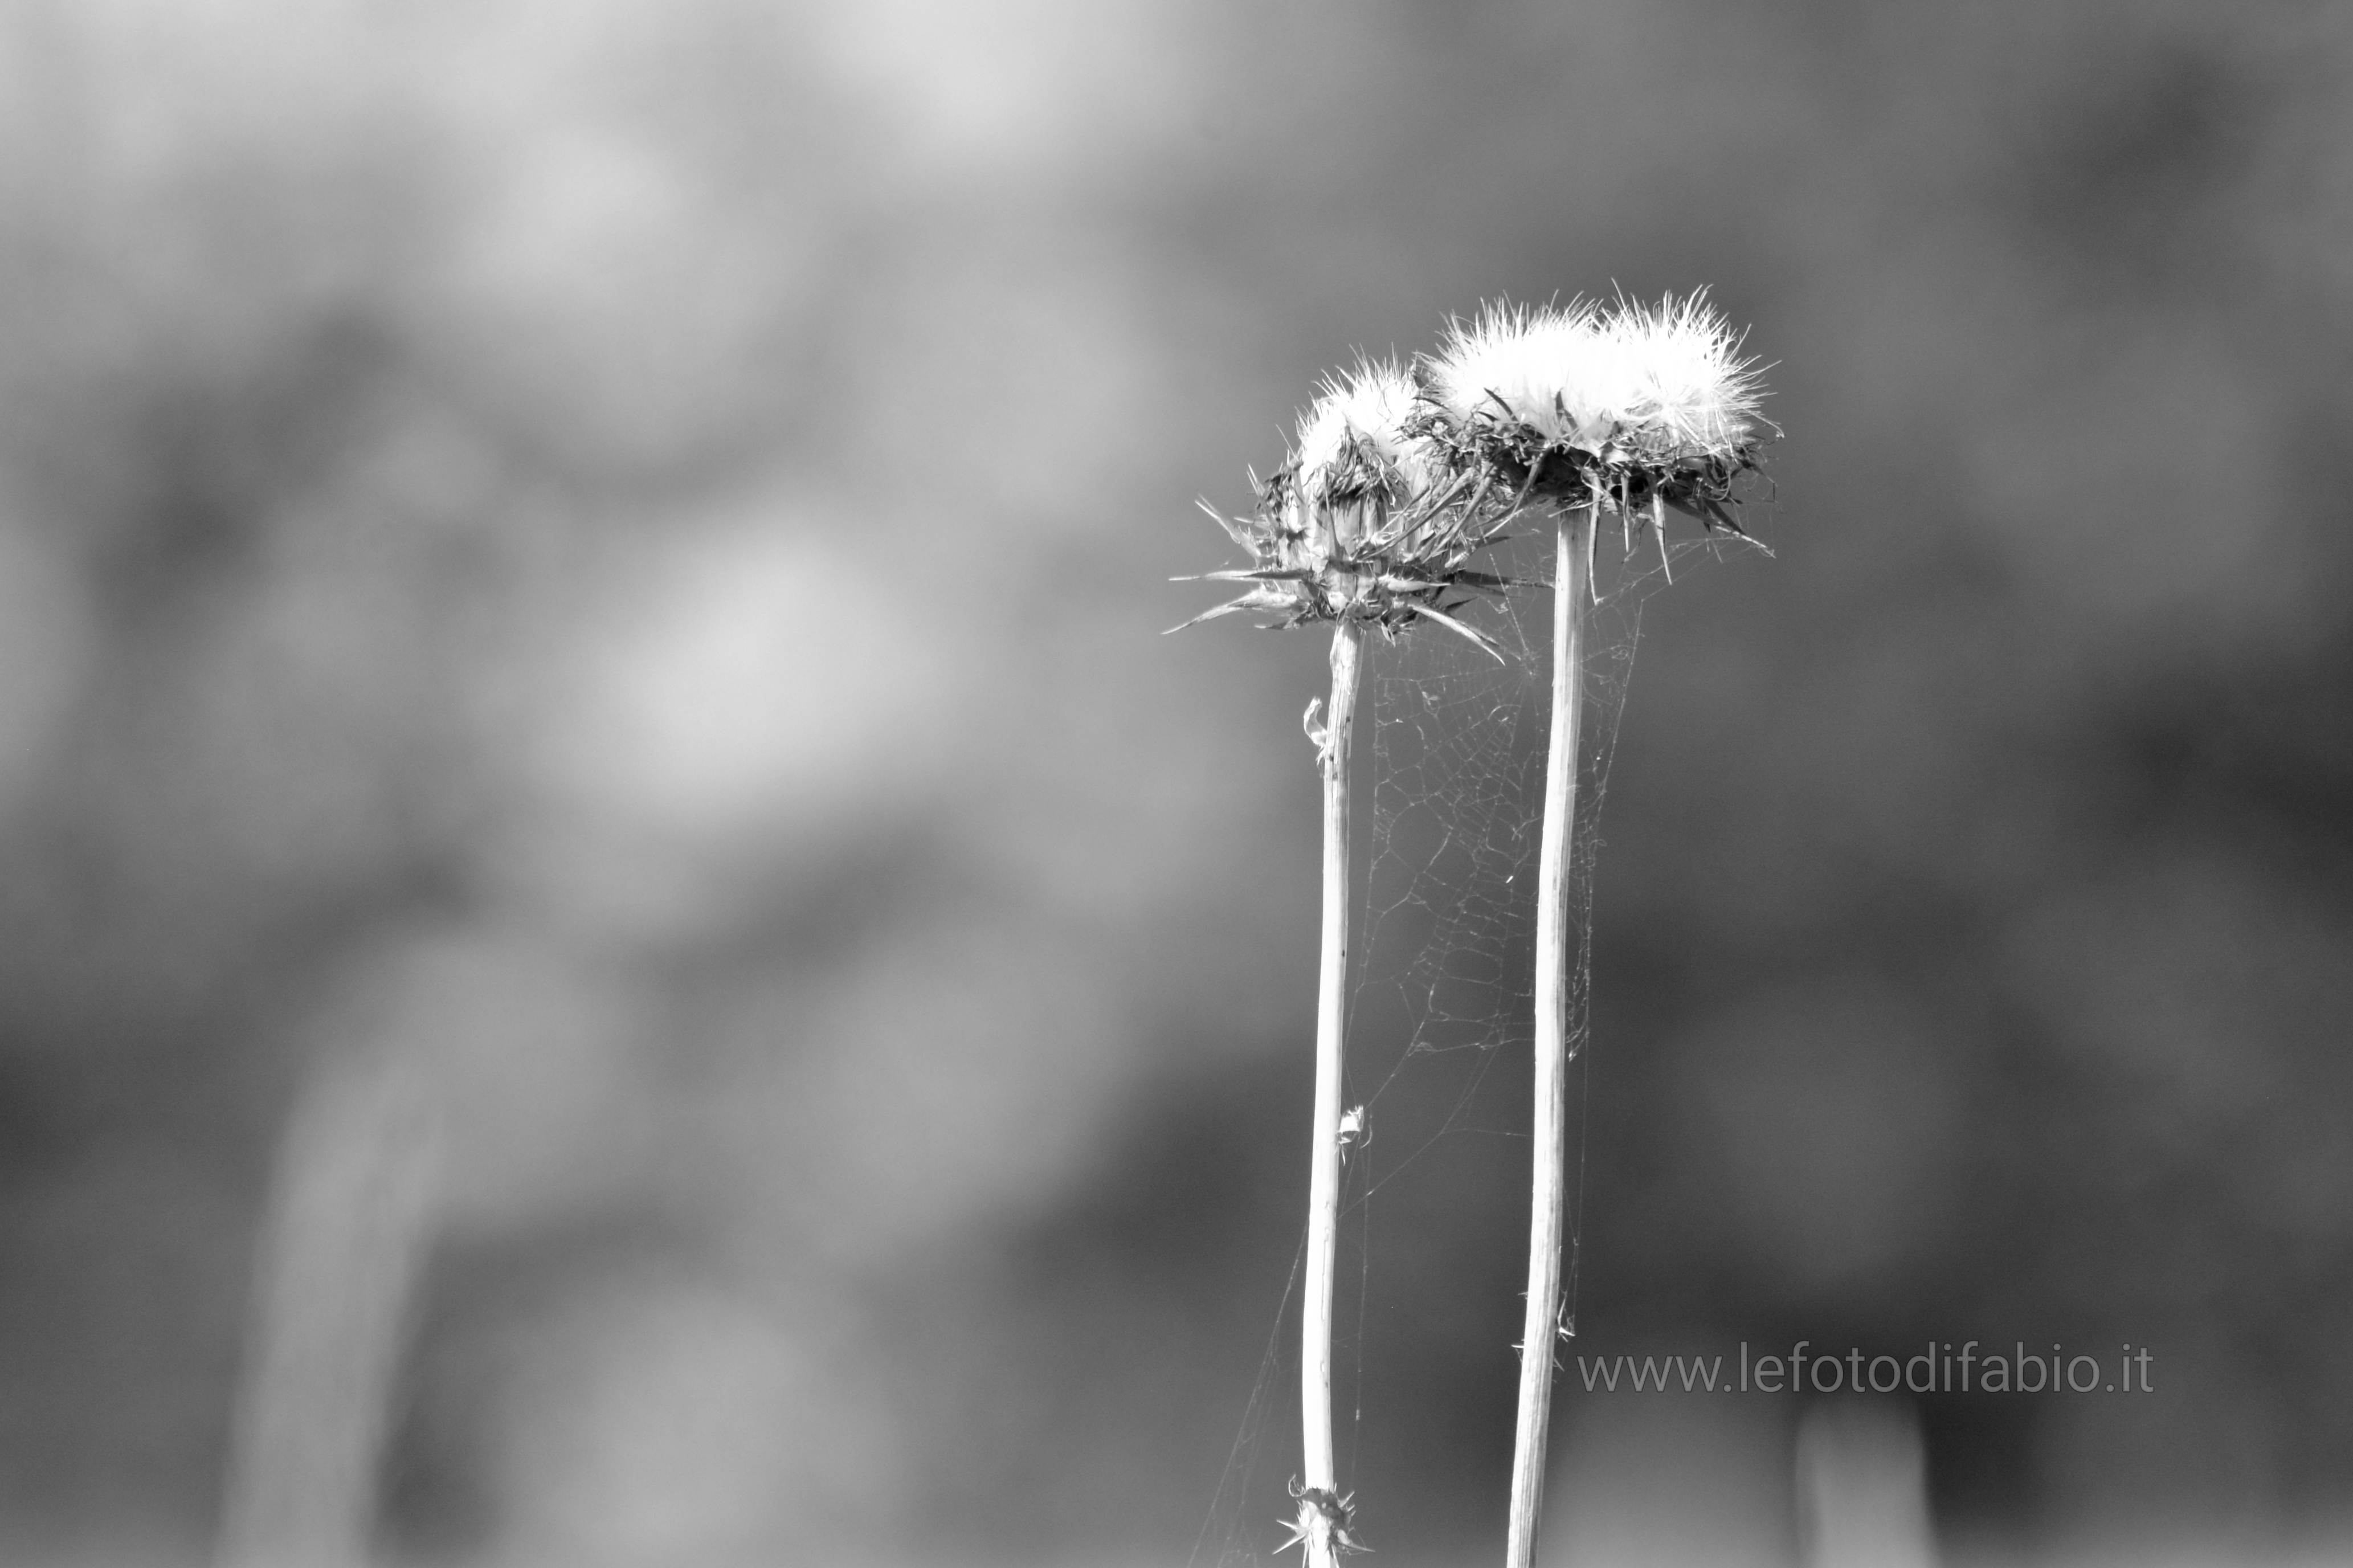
(1479, 638)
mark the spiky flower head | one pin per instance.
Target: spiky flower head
(1353, 439)
(1366, 520)
(1621, 405)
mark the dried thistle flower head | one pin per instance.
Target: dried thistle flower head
(1353, 437)
(1366, 520)
(1686, 391)
(1547, 368)
(1623, 404)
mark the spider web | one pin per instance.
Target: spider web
(1443, 960)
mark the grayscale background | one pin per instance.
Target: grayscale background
(621, 944)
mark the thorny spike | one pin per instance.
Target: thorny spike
(1479, 494)
(1234, 530)
(1658, 527)
(1484, 643)
(1338, 1513)
(1227, 608)
(1593, 543)
(1536, 467)
(1385, 549)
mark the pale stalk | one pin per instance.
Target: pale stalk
(1323, 1173)
(1548, 1206)
(352, 1213)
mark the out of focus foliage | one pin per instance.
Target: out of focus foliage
(620, 547)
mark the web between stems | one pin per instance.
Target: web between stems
(1445, 985)
(1444, 949)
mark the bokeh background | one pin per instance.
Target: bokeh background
(625, 945)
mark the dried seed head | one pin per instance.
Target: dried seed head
(1547, 368)
(1588, 404)
(1366, 520)
(1667, 377)
(1684, 390)
(1354, 441)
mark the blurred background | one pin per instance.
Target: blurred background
(625, 945)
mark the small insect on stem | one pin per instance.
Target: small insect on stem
(1355, 1133)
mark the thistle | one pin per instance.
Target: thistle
(1365, 526)
(1627, 408)
(1631, 407)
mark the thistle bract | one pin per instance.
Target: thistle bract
(1627, 405)
(1366, 520)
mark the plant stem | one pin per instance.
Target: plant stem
(352, 1213)
(1323, 1173)
(1549, 1180)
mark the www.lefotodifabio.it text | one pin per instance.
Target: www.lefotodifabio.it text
(1939, 1369)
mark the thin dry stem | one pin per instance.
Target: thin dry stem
(352, 1213)
(1548, 1202)
(1322, 1512)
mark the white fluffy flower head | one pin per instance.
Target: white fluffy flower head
(1625, 406)
(1353, 437)
(1683, 389)
(1543, 367)
(1660, 383)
